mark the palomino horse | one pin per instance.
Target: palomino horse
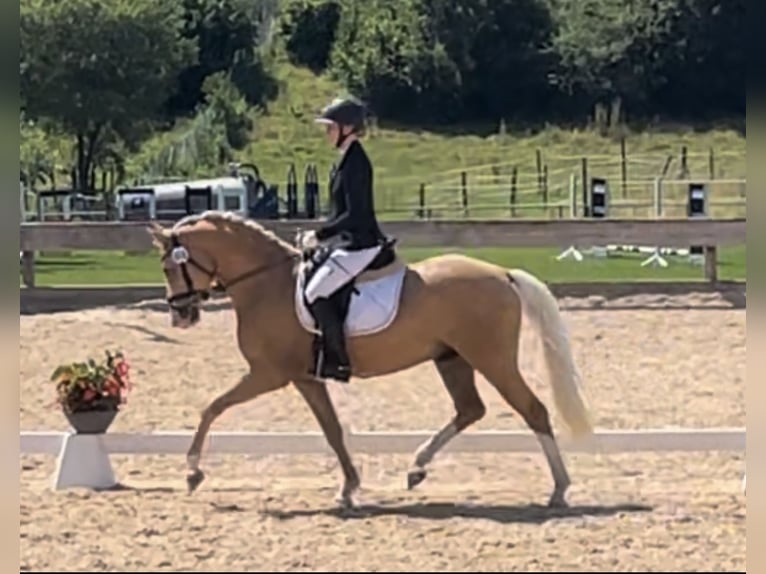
(463, 314)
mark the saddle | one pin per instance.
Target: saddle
(368, 303)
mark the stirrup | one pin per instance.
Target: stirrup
(322, 371)
(339, 374)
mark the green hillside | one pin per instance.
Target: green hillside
(285, 134)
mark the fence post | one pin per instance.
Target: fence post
(292, 193)
(658, 197)
(310, 192)
(464, 191)
(514, 183)
(573, 195)
(624, 167)
(28, 268)
(539, 162)
(422, 201)
(585, 210)
(711, 263)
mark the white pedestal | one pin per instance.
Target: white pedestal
(83, 462)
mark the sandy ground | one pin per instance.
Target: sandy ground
(642, 368)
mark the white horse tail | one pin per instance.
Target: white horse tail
(541, 307)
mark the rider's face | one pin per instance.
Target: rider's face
(333, 132)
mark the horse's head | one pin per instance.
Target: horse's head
(190, 272)
(214, 249)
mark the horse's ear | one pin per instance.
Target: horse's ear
(159, 239)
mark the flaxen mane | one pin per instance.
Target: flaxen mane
(237, 224)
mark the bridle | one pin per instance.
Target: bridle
(180, 255)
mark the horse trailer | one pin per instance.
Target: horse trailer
(174, 200)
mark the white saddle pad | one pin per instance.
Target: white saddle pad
(370, 311)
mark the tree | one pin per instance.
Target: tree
(683, 57)
(383, 54)
(704, 59)
(308, 27)
(227, 34)
(594, 42)
(499, 48)
(450, 60)
(99, 70)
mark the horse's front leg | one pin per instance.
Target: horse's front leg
(248, 387)
(319, 402)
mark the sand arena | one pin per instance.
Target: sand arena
(656, 367)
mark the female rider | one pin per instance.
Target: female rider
(353, 221)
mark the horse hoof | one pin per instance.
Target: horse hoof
(194, 479)
(415, 477)
(557, 501)
(345, 502)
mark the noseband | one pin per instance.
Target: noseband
(181, 257)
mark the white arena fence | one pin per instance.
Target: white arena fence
(83, 459)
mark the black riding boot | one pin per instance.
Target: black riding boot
(333, 361)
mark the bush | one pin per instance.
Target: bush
(229, 108)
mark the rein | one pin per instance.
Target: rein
(181, 257)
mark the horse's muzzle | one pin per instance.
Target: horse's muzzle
(185, 317)
(185, 309)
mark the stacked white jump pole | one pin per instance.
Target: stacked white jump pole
(697, 204)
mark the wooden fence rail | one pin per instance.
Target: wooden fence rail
(708, 233)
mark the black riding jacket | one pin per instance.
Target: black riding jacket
(353, 209)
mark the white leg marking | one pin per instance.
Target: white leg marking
(192, 461)
(428, 449)
(558, 470)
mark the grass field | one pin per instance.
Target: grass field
(113, 268)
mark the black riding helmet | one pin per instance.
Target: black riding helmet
(344, 112)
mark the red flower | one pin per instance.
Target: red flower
(122, 369)
(80, 383)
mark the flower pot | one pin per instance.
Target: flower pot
(91, 422)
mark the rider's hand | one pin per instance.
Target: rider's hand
(309, 240)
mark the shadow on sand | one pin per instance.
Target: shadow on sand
(151, 335)
(501, 513)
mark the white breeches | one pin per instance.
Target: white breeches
(341, 267)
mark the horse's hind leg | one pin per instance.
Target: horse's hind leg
(458, 378)
(504, 375)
